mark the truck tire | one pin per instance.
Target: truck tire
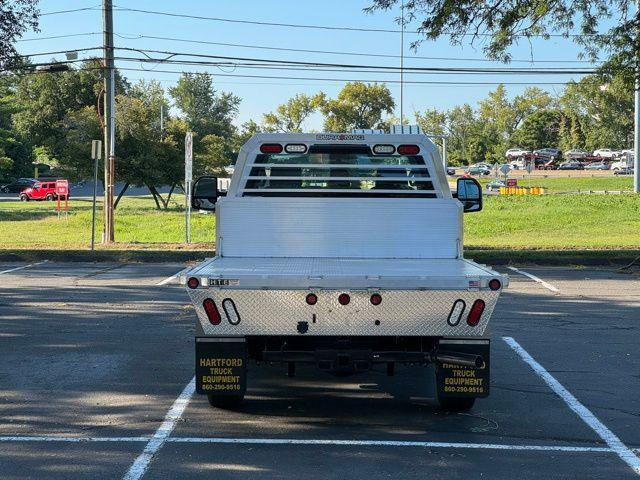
(456, 404)
(226, 401)
(24, 198)
(49, 197)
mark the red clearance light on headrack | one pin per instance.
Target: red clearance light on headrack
(271, 148)
(211, 310)
(312, 299)
(383, 149)
(295, 148)
(408, 149)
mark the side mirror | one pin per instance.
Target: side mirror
(469, 192)
(205, 193)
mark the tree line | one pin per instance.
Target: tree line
(51, 118)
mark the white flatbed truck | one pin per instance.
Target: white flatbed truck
(344, 251)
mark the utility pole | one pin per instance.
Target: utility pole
(402, 63)
(636, 129)
(110, 123)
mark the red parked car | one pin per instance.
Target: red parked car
(39, 191)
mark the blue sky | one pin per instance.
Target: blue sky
(262, 95)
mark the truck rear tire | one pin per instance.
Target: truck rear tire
(226, 401)
(456, 404)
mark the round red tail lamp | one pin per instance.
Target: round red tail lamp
(376, 299)
(495, 284)
(344, 299)
(193, 282)
(312, 299)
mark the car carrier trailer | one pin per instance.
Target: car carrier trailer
(343, 251)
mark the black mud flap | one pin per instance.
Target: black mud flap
(221, 366)
(460, 381)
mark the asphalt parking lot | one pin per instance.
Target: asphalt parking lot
(96, 368)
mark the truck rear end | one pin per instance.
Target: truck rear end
(343, 251)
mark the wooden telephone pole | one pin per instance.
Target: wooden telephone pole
(110, 123)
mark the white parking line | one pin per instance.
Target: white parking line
(168, 279)
(22, 267)
(54, 438)
(302, 441)
(535, 279)
(616, 445)
(387, 443)
(140, 465)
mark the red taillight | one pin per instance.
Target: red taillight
(271, 148)
(376, 299)
(476, 312)
(211, 310)
(344, 299)
(193, 282)
(312, 299)
(494, 284)
(408, 149)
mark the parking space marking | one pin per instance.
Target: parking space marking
(54, 438)
(302, 441)
(535, 279)
(23, 267)
(387, 443)
(616, 445)
(140, 465)
(168, 279)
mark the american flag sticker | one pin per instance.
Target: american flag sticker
(474, 283)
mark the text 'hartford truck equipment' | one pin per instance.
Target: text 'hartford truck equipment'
(343, 251)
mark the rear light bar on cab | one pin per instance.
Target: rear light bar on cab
(271, 148)
(408, 149)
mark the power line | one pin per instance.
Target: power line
(391, 70)
(59, 12)
(58, 36)
(416, 82)
(332, 27)
(330, 52)
(341, 65)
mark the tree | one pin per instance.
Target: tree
(290, 116)
(600, 25)
(539, 130)
(205, 110)
(603, 112)
(16, 18)
(358, 105)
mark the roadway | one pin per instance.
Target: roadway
(96, 368)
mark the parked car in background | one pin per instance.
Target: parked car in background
(604, 153)
(515, 153)
(602, 165)
(624, 171)
(451, 171)
(576, 154)
(626, 161)
(549, 152)
(39, 191)
(495, 185)
(571, 165)
(478, 169)
(17, 185)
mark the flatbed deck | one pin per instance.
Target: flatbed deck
(387, 273)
